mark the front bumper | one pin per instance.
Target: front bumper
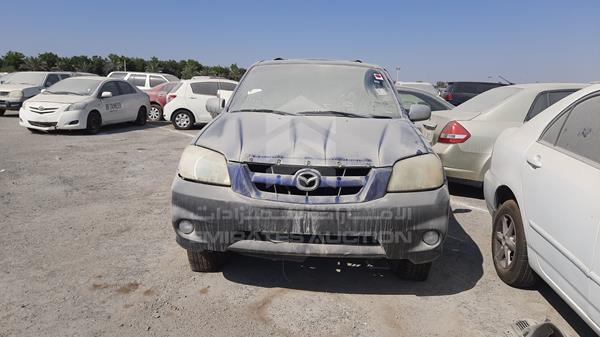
(59, 120)
(10, 104)
(225, 220)
(490, 186)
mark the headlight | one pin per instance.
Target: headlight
(76, 106)
(424, 172)
(16, 94)
(203, 165)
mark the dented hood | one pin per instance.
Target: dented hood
(320, 140)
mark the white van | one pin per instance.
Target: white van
(143, 81)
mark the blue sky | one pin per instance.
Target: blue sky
(525, 41)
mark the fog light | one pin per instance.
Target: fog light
(186, 227)
(431, 237)
(74, 122)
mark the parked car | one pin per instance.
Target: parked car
(459, 92)
(22, 85)
(186, 106)
(158, 99)
(410, 96)
(311, 156)
(464, 137)
(424, 86)
(542, 190)
(87, 102)
(4, 77)
(143, 81)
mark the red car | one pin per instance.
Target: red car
(158, 99)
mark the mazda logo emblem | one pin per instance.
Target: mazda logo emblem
(308, 180)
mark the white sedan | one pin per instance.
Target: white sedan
(87, 103)
(543, 191)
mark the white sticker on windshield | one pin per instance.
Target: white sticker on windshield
(254, 91)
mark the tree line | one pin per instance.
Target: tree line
(48, 61)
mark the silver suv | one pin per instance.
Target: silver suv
(312, 158)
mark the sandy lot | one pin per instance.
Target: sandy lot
(87, 249)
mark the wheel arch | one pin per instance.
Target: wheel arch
(91, 112)
(503, 194)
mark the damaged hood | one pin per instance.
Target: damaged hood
(320, 140)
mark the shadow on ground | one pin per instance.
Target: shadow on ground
(578, 324)
(458, 270)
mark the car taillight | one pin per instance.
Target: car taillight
(454, 133)
(448, 96)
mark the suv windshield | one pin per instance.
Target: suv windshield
(316, 89)
(487, 100)
(26, 78)
(74, 86)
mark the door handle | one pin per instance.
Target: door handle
(535, 161)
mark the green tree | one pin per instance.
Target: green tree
(50, 60)
(13, 61)
(32, 63)
(153, 65)
(190, 69)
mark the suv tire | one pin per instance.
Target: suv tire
(182, 120)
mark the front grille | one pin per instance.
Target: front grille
(335, 181)
(42, 110)
(42, 124)
(3, 93)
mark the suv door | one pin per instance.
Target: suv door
(199, 93)
(560, 188)
(111, 108)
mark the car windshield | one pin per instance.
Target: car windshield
(316, 89)
(74, 86)
(26, 78)
(487, 100)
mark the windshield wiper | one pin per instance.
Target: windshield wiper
(278, 112)
(332, 112)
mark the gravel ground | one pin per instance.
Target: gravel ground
(87, 249)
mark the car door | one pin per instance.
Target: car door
(111, 108)
(129, 100)
(561, 189)
(197, 96)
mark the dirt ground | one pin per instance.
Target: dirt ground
(87, 249)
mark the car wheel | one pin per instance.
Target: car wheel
(509, 247)
(94, 122)
(183, 120)
(155, 113)
(141, 117)
(409, 271)
(2, 111)
(206, 261)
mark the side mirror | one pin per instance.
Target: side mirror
(106, 94)
(214, 106)
(419, 112)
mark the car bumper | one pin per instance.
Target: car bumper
(462, 165)
(224, 220)
(490, 186)
(60, 120)
(8, 104)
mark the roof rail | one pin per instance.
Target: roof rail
(357, 61)
(278, 59)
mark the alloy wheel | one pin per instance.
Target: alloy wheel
(506, 242)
